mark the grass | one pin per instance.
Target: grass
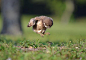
(36, 50)
(66, 42)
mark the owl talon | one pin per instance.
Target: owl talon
(42, 35)
(47, 33)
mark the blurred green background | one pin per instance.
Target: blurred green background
(69, 17)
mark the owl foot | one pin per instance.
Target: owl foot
(42, 35)
(47, 33)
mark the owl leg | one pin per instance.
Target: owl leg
(42, 35)
(39, 32)
(47, 33)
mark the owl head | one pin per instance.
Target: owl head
(32, 22)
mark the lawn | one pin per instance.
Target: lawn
(67, 41)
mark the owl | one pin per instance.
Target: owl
(40, 24)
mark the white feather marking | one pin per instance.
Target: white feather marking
(43, 31)
(45, 25)
(39, 30)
